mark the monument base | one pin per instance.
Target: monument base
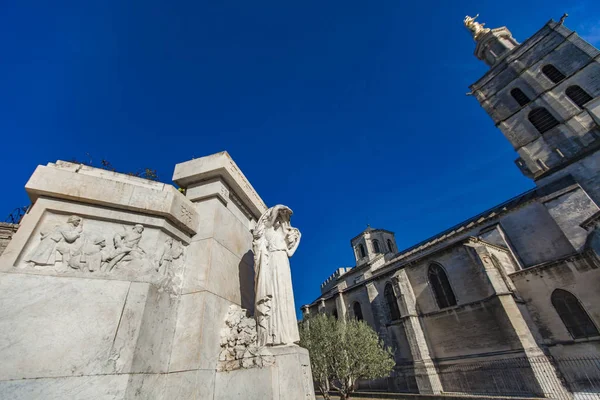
(289, 378)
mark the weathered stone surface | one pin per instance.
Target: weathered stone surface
(220, 166)
(55, 327)
(98, 387)
(197, 334)
(6, 233)
(289, 378)
(89, 185)
(190, 385)
(48, 244)
(106, 292)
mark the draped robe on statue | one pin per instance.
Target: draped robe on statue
(274, 242)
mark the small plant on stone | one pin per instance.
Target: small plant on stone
(342, 352)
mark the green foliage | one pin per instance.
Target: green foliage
(318, 335)
(342, 352)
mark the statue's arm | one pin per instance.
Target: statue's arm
(294, 245)
(70, 235)
(274, 215)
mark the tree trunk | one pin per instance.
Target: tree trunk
(324, 392)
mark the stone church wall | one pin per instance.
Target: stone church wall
(579, 275)
(466, 279)
(473, 329)
(585, 171)
(569, 210)
(535, 235)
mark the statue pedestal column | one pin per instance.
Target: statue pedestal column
(289, 378)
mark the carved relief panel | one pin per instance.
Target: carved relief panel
(74, 245)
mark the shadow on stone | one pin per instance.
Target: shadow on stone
(246, 277)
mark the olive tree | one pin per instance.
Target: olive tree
(342, 352)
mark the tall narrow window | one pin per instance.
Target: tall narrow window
(390, 245)
(390, 299)
(357, 311)
(361, 250)
(542, 119)
(578, 95)
(441, 286)
(335, 313)
(519, 96)
(376, 248)
(553, 73)
(570, 310)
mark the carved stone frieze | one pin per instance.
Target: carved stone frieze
(96, 247)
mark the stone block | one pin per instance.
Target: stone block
(98, 387)
(146, 387)
(213, 267)
(153, 346)
(199, 322)
(190, 385)
(57, 326)
(220, 166)
(122, 351)
(77, 185)
(290, 378)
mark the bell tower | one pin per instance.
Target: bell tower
(373, 244)
(544, 95)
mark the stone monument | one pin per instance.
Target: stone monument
(116, 287)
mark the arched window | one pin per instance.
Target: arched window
(578, 95)
(542, 119)
(376, 248)
(361, 250)
(390, 299)
(441, 286)
(576, 320)
(553, 73)
(357, 311)
(390, 245)
(519, 96)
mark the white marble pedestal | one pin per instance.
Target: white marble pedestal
(75, 325)
(289, 378)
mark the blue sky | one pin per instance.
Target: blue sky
(348, 112)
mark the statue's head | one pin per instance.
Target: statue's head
(99, 241)
(284, 212)
(74, 220)
(138, 228)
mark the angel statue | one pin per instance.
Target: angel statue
(475, 27)
(274, 241)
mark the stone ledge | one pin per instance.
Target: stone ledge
(95, 186)
(215, 166)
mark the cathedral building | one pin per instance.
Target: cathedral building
(508, 301)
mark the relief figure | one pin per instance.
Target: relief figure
(90, 256)
(127, 247)
(171, 251)
(60, 239)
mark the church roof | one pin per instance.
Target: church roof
(488, 215)
(369, 229)
(455, 232)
